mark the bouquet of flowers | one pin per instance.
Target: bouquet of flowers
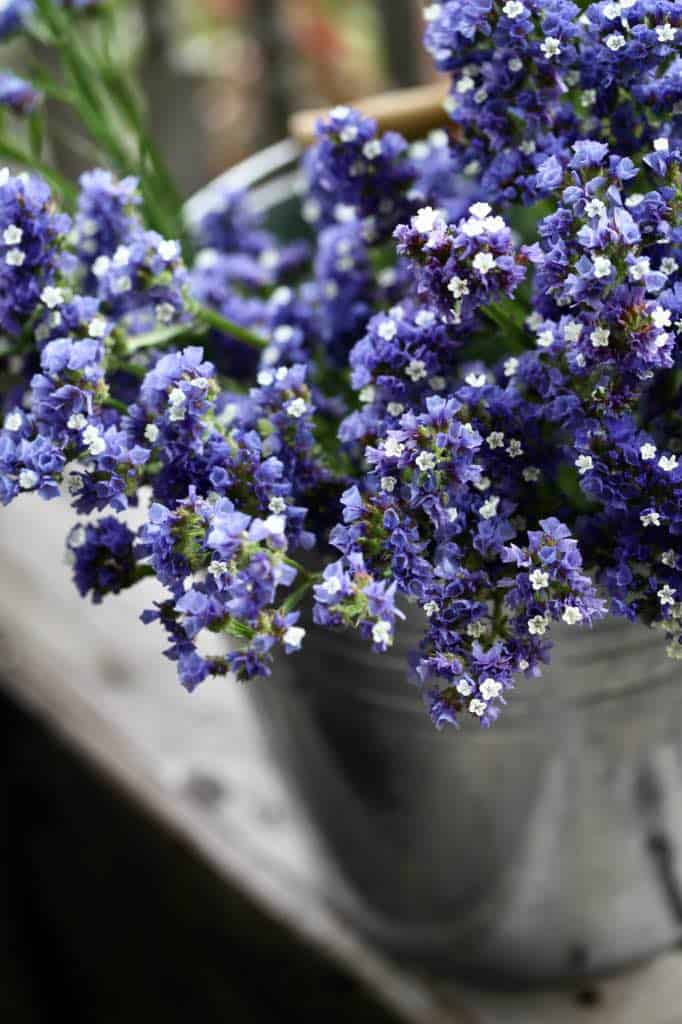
(462, 389)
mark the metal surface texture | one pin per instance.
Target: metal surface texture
(545, 849)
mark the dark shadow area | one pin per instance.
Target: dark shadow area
(108, 918)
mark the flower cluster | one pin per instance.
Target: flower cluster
(461, 392)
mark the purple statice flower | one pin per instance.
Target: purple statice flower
(511, 65)
(28, 463)
(345, 287)
(347, 595)
(146, 274)
(106, 215)
(464, 266)
(13, 16)
(103, 557)
(224, 569)
(31, 234)
(18, 95)
(230, 226)
(353, 174)
(406, 354)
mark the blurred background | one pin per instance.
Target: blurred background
(108, 912)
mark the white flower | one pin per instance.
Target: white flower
(537, 626)
(416, 370)
(339, 113)
(424, 318)
(430, 608)
(666, 595)
(572, 615)
(122, 256)
(433, 12)
(394, 449)
(513, 9)
(669, 558)
(602, 266)
(488, 509)
(372, 149)
(511, 365)
(388, 484)
(633, 201)
(584, 463)
(438, 383)
(482, 484)
(28, 479)
(425, 220)
(551, 47)
(668, 463)
(531, 474)
(151, 433)
(101, 266)
(475, 380)
(515, 64)
(572, 330)
(538, 579)
(464, 687)
(483, 262)
(367, 394)
(669, 265)
(382, 633)
(545, 338)
(661, 145)
(616, 41)
(458, 287)
(77, 421)
(600, 337)
(476, 629)
(349, 133)
(477, 707)
(661, 317)
(650, 519)
(595, 208)
(122, 285)
(666, 32)
(452, 514)
(293, 636)
(648, 451)
(164, 312)
(490, 688)
(387, 330)
(168, 250)
(495, 439)
(426, 461)
(94, 441)
(13, 421)
(296, 408)
(395, 409)
(332, 585)
(15, 258)
(97, 327)
(12, 235)
(639, 269)
(480, 210)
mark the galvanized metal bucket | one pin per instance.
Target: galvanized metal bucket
(546, 849)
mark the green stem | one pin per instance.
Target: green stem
(297, 595)
(225, 326)
(113, 403)
(156, 339)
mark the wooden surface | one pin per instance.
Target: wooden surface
(197, 765)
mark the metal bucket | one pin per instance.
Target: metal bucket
(546, 849)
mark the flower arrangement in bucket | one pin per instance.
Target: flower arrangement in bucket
(460, 389)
